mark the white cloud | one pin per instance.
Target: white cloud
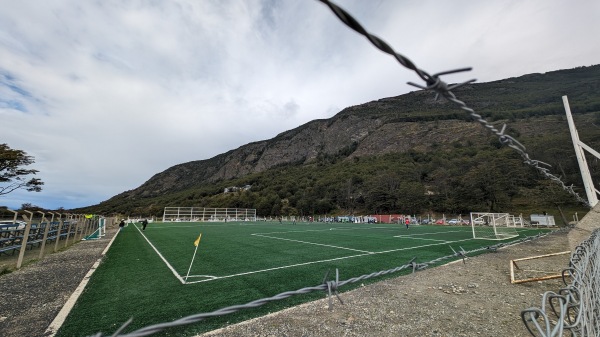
(106, 94)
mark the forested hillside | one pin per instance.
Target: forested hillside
(405, 154)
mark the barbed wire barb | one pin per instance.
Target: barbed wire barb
(332, 289)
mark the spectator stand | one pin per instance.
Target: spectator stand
(42, 229)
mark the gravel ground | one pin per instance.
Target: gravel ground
(32, 296)
(474, 298)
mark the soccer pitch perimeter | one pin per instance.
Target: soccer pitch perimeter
(149, 275)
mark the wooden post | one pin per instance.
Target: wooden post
(15, 217)
(79, 227)
(25, 238)
(58, 230)
(70, 217)
(513, 264)
(46, 230)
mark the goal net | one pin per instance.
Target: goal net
(494, 226)
(182, 214)
(100, 232)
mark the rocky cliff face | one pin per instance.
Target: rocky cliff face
(413, 121)
(352, 135)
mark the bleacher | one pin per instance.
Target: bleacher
(11, 236)
(45, 233)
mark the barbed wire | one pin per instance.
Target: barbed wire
(329, 286)
(573, 308)
(441, 88)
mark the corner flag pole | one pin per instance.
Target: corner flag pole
(196, 243)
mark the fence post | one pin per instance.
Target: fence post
(58, 231)
(70, 217)
(25, 238)
(46, 229)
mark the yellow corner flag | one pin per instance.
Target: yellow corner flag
(197, 242)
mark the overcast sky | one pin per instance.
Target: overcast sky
(105, 94)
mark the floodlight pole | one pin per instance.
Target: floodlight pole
(588, 184)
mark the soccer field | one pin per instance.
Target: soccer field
(149, 275)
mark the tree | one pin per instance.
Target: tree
(12, 174)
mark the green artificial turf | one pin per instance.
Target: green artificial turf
(239, 262)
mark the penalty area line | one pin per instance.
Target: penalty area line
(416, 238)
(327, 260)
(313, 243)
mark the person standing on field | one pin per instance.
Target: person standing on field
(144, 224)
(407, 222)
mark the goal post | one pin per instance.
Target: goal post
(202, 214)
(100, 232)
(494, 226)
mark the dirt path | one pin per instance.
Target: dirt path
(31, 297)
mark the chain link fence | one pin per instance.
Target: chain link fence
(576, 307)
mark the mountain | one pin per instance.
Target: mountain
(402, 128)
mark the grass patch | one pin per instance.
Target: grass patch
(241, 262)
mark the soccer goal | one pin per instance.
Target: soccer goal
(493, 226)
(184, 214)
(100, 232)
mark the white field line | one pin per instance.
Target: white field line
(362, 228)
(203, 276)
(162, 257)
(435, 233)
(414, 236)
(313, 243)
(410, 237)
(326, 229)
(68, 306)
(328, 260)
(164, 225)
(281, 267)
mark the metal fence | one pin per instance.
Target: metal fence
(576, 307)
